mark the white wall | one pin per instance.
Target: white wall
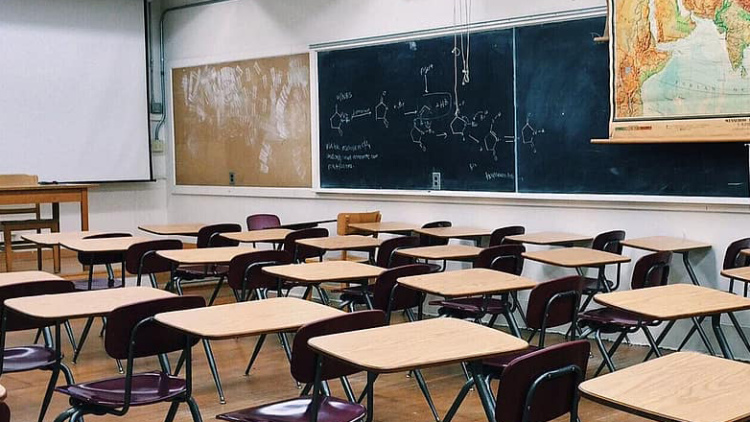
(252, 28)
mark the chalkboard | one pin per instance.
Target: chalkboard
(392, 115)
(537, 94)
(562, 88)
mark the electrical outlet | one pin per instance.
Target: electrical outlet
(231, 178)
(157, 145)
(436, 180)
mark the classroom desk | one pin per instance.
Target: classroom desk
(672, 244)
(59, 308)
(111, 244)
(306, 224)
(182, 229)
(254, 318)
(680, 301)
(682, 386)
(392, 227)
(417, 345)
(442, 252)
(741, 273)
(54, 194)
(201, 256)
(315, 273)
(20, 277)
(258, 236)
(52, 240)
(343, 243)
(550, 238)
(578, 258)
(456, 232)
(470, 282)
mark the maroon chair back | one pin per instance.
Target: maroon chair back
(151, 337)
(554, 303)
(4, 412)
(262, 221)
(387, 258)
(248, 267)
(551, 398)
(609, 241)
(101, 258)
(298, 252)
(401, 297)
(425, 240)
(303, 357)
(733, 258)
(651, 270)
(208, 235)
(141, 258)
(506, 258)
(498, 236)
(16, 321)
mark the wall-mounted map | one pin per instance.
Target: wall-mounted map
(680, 70)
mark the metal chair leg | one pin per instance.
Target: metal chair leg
(82, 340)
(48, 393)
(216, 291)
(71, 335)
(172, 411)
(610, 353)
(214, 369)
(426, 393)
(258, 346)
(194, 410)
(603, 351)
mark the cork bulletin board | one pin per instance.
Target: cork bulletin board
(243, 123)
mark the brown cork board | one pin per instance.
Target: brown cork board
(250, 118)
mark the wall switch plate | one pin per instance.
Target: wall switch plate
(436, 180)
(231, 178)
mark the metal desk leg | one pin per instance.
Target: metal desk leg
(484, 393)
(370, 394)
(214, 370)
(716, 323)
(689, 268)
(741, 333)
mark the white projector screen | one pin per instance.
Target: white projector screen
(73, 90)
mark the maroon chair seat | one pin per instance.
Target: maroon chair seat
(148, 388)
(197, 272)
(591, 284)
(610, 320)
(497, 364)
(355, 295)
(471, 307)
(331, 409)
(27, 358)
(96, 284)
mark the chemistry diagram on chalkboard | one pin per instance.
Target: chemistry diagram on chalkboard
(434, 117)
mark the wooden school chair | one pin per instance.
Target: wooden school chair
(650, 271)
(36, 222)
(32, 357)
(134, 334)
(312, 370)
(343, 220)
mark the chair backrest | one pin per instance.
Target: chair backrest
(208, 236)
(498, 236)
(388, 296)
(20, 180)
(303, 357)
(101, 258)
(526, 394)
(248, 267)
(262, 221)
(141, 258)
(651, 270)
(151, 338)
(4, 412)
(554, 303)
(425, 240)
(733, 258)
(301, 252)
(344, 219)
(387, 258)
(507, 258)
(609, 241)
(18, 322)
